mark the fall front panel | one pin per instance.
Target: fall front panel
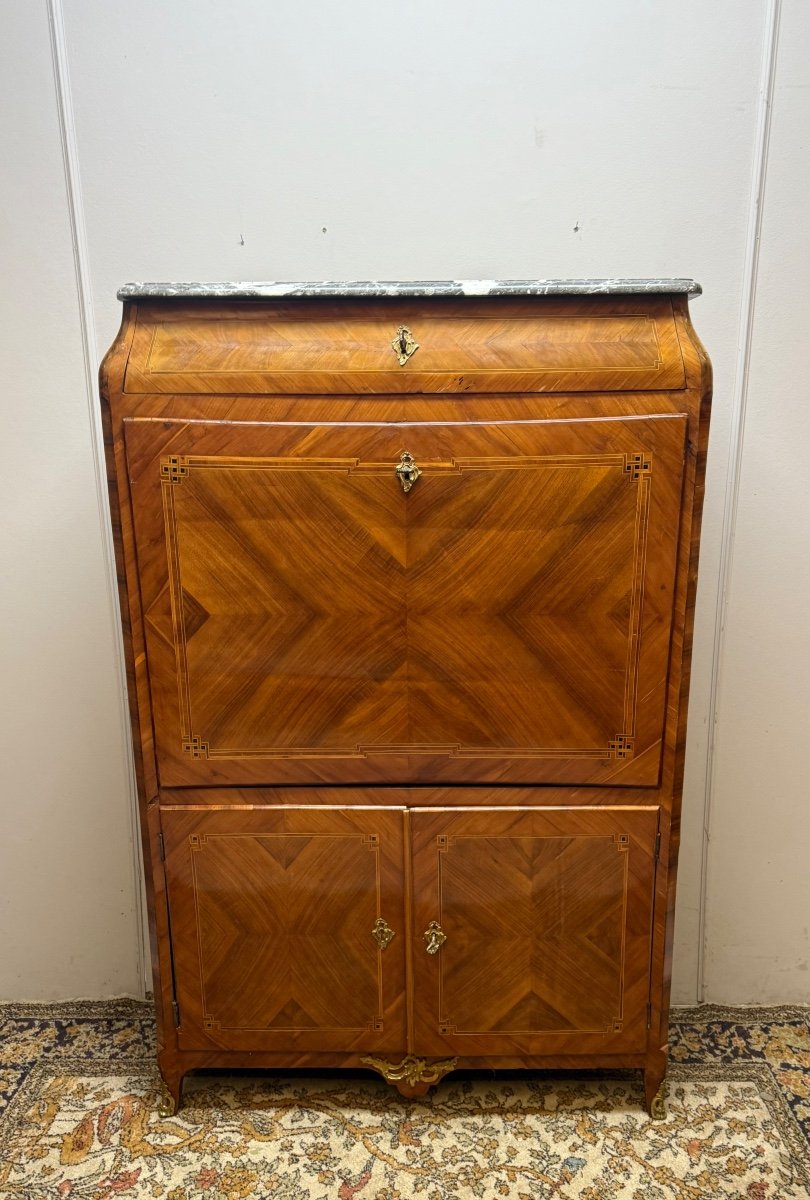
(287, 927)
(499, 610)
(532, 930)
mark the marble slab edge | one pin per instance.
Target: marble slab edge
(446, 287)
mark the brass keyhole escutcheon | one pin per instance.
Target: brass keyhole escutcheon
(407, 471)
(404, 345)
(435, 937)
(382, 933)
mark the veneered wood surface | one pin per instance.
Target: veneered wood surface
(272, 912)
(324, 346)
(384, 408)
(369, 397)
(418, 796)
(700, 372)
(547, 916)
(508, 618)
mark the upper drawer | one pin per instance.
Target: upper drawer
(312, 347)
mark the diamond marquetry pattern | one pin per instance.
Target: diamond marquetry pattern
(506, 619)
(512, 644)
(534, 934)
(292, 609)
(283, 928)
(315, 615)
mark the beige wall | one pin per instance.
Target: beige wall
(205, 141)
(68, 922)
(758, 866)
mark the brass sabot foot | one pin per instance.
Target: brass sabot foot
(658, 1108)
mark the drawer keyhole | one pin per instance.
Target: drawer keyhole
(404, 345)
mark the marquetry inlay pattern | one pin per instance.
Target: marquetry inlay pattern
(195, 747)
(206, 743)
(566, 918)
(512, 350)
(250, 894)
(558, 955)
(484, 344)
(637, 465)
(621, 746)
(173, 469)
(407, 580)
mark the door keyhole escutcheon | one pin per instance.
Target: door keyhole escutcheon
(382, 933)
(435, 937)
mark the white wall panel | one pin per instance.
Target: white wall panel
(67, 903)
(359, 140)
(758, 897)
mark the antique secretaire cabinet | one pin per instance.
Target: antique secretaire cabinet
(407, 575)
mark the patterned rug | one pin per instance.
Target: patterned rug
(78, 1098)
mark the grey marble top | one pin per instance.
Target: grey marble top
(443, 287)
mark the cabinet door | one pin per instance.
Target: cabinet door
(276, 917)
(532, 930)
(507, 618)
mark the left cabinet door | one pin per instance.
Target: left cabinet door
(279, 924)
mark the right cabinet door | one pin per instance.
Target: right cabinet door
(532, 930)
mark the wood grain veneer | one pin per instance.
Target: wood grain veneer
(464, 346)
(463, 705)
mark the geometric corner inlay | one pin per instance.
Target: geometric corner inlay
(174, 468)
(621, 747)
(636, 465)
(622, 841)
(196, 747)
